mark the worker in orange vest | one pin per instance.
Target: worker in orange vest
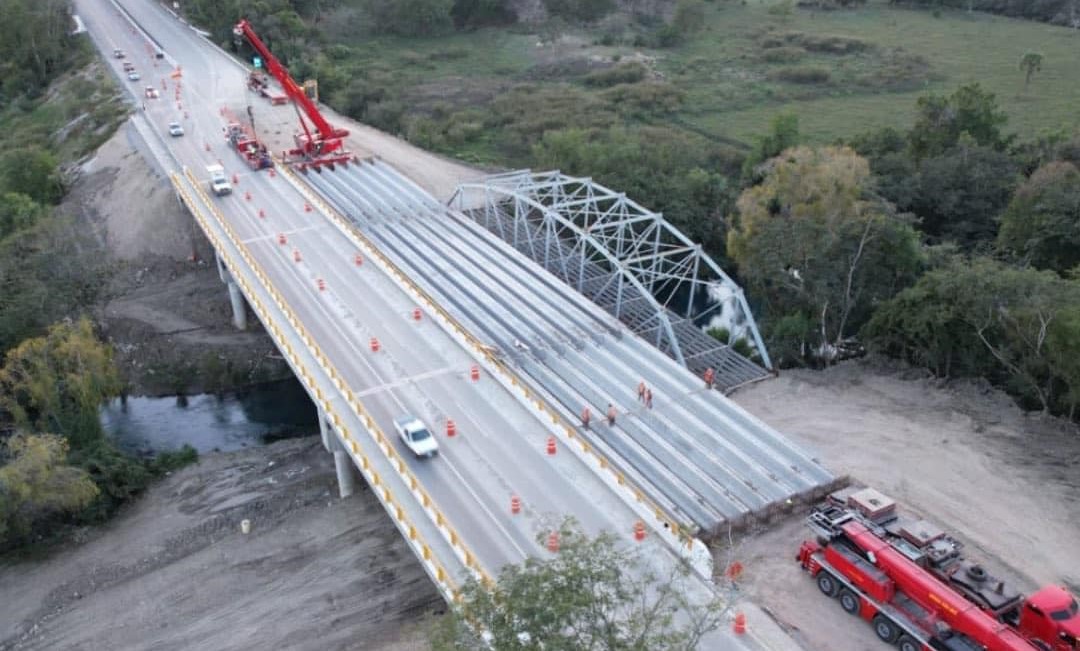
(611, 415)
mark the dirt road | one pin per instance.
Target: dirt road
(963, 456)
(175, 572)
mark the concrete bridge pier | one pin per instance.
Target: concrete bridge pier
(343, 462)
(324, 431)
(236, 297)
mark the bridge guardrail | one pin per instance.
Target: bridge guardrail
(679, 536)
(443, 579)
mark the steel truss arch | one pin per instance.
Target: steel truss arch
(624, 257)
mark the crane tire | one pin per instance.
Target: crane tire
(850, 601)
(908, 643)
(885, 629)
(827, 584)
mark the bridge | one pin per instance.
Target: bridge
(386, 301)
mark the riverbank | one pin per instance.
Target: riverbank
(173, 570)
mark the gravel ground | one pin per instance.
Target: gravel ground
(961, 455)
(174, 571)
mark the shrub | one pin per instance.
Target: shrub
(801, 75)
(624, 73)
(783, 54)
(580, 10)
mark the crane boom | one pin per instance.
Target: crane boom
(315, 147)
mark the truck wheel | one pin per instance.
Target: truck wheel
(827, 584)
(849, 601)
(908, 643)
(885, 629)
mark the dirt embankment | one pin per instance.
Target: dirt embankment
(961, 455)
(174, 570)
(165, 309)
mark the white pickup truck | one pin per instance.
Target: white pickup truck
(416, 436)
(219, 182)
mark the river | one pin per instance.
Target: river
(209, 422)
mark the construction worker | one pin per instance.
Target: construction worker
(648, 398)
(641, 391)
(586, 415)
(710, 375)
(610, 415)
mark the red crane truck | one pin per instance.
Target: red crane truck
(325, 145)
(909, 579)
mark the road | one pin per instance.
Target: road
(421, 367)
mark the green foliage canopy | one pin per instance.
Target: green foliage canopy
(57, 382)
(819, 247)
(1042, 223)
(1019, 327)
(593, 594)
(940, 121)
(36, 482)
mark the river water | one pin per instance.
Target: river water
(210, 422)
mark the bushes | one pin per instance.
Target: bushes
(801, 75)
(624, 73)
(1020, 328)
(580, 10)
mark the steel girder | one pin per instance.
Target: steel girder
(575, 227)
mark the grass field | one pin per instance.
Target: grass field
(841, 72)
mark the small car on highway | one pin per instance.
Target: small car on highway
(416, 436)
(152, 93)
(133, 76)
(175, 130)
(118, 53)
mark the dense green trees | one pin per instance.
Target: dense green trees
(594, 594)
(1042, 223)
(959, 193)
(1019, 327)
(666, 170)
(941, 121)
(56, 383)
(820, 249)
(36, 482)
(36, 45)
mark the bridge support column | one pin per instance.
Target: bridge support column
(236, 297)
(239, 310)
(344, 464)
(324, 431)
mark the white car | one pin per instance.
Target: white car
(416, 436)
(175, 130)
(133, 76)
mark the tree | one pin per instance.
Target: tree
(593, 594)
(31, 171)
(56, 383)
(940, 121)
(17, 212)
(473, 13)
(1015, 326)
(960, 193)
(1042, 223)
(1030, 63)
(813, 241)
(783, 134)
(665, 170)
(36, 483)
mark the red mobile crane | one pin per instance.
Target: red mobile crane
(910, 581)
(324, 146)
